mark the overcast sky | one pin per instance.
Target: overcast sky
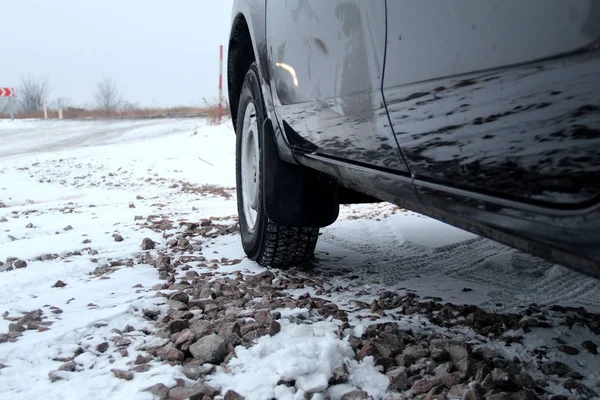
(159, 52)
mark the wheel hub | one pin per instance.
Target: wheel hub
(250, 168)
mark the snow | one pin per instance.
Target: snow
(87, 174)
(307, 354)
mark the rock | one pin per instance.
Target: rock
(19, 264)
(274, 328)
(59, 284)
(211, 349)
(457, 353)
(555, 368)
(121, 374)
(178, 325)
(231, 395)
(398, 379)
(102, 347)
(184, 393)
(184, 339)
(148, 244)
(68, 366)
(121, 341)
(180, 296)
(196, 371)
(160, 390)
(151, 312)
(590, 346)
(440, 355)
(404, 360)
(140, 359)
(170, 354)
(356, 395)
(177, 305)
(118, 238)
(53, 377)
(29, 225)
(366, 351)
(568, 349)
(339, 375)
(422, 386)
(67, 228)
(201, 328)
(263, 317)
(3, 219)
(415, 351)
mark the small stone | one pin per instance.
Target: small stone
(59, 284)
(231, 395)
(180, 296)
(211, 349)
(102, 347)
(457, 353)
(29, 225)
(366, 351)
(177, 305)
(201, 328)
(184, 339)
(19, 264)
(160, 390)
(178, 325)
(67, 228)
(590, 346)
(274, 328)
(404, 360)
(170, 354)
(415, 352)
(568, 349)
(196, 371)
(206, 222)
(356, 395)
(141, 368)
(118, 238)
(68, 366)
(151, 313)
(148, 244)
(122, 341)
(398, 379)
(141, 359)
(121, 374)
(422, 386)
(53, 377)
(555, 368)
(339, 375)
(86, 241)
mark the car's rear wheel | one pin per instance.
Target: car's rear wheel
(263, 240)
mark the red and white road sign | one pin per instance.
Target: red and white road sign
(7, 92)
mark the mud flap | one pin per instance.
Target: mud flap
(295, 195)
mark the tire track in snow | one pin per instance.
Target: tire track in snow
(382, 260)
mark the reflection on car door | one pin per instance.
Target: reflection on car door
(326, 60)
(500, 96)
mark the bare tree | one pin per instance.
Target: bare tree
(61, 102)
(33, 92)
(107, 96)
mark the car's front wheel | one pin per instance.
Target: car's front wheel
(264, 241)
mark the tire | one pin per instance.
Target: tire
(264, 241)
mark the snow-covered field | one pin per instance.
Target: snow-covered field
(90, 313)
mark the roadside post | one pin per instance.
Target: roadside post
(220, 83)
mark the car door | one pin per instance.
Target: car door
(498, 96)
(326, 60)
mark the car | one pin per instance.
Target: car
(481, 114)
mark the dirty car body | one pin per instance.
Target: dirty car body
(481, 114)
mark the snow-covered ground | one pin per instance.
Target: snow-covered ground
(77, 198)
